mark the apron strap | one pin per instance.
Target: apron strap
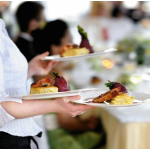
(31, 138)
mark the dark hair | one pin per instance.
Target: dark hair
(116, 11)
(26, 12)
(53, 32)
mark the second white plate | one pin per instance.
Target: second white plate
(87, 99)
(95, 54)
(54, 95)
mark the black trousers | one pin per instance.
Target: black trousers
(8, 141)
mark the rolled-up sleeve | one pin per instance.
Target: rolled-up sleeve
(4, 116)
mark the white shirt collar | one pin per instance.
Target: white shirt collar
(26, 36)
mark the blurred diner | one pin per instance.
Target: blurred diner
(51, 38)
(28, 22)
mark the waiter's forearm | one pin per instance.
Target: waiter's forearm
(29, 108)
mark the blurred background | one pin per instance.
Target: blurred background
(124, 25)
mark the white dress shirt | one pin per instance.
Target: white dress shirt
(13, 81)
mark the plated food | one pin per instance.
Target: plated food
(47, 85)
(73, 50)
(117, 95)
(60, 82)
(84, 40)
(43, 86)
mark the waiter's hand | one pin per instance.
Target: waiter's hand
(64, 106)
(39, 67)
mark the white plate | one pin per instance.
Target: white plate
(95, 54)
(54, 95)
(140, 98)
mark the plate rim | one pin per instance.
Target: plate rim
(80, 56)
(60, 94)
(141, 101)
(108, 105)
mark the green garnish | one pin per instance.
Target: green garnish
(54, 74)
(82, 33)
(110, 84)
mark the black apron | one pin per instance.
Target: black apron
(8, 141)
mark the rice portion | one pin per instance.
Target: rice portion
(122, 99)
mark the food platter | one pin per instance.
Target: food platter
(95, 54)
(105, 104)
(54, 95)
(87, 98)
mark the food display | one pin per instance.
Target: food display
(43, 86)
(118, 95)
(84, 41)
(73, 50)
(58, 84)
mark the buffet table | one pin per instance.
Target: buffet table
(125, 127)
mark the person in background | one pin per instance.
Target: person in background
(30, 17)
(100, 9)
(55, 35)
(118, 12)
(138, 13)
(119, 19)
(118, 9)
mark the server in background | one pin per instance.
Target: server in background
(30, 16)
